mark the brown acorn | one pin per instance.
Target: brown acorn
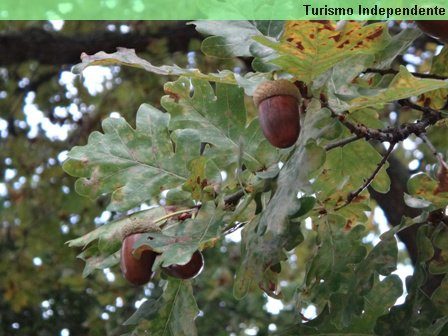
(278, 111)
(136, 270)
(189, 270)
(434, 28)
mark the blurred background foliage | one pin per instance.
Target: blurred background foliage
(45, 110)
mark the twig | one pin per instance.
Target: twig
(431, 147)
(352, 195)
(342, 142)
(387, 134)
(234, 228)
(173, 214)
(394, 72)
(424, 109)
(234, 198)
(390, 134)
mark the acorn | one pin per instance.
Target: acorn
(277, 102)
(434, 28)
(188, 271)
(137, 271)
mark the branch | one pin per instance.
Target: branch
(234, 198)
(342, 142)
(424, 109)
(391, 134)
(394, 72)
(352, 195)
(55, 48)
(431, 147)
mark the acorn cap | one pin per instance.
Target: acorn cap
(137, 226)
(281, 87)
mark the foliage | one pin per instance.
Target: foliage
(306, 231)
(342, 276)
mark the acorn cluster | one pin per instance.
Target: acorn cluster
(137, 266)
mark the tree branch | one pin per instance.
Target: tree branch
(431, 147)
(391, 134)
(342, 142)
(234, 198)
(54, 48)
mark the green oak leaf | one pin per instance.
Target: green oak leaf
(265, 241)
(94, 260)
(234, 38)
(440, 296)
(397, 45)
(178, 242)
(219, 119)
(424, 244)
(172, 314)
(346, 169)
(382, 296)
(341, 274)
(439, 264)
(333, 262)
(135, 165)
(128, 57)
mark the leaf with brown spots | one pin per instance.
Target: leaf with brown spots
(307, 49)
(437, 99)
(204, 172)
(343, 174)
(421, 186)
(404, 85)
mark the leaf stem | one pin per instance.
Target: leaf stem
(173, 214)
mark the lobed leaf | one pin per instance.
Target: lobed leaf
(440, 297)
(135, 165)
(219, 120)
(397, 45)
(421, 186)
(173, 314)
(404, 85)
(436, 99)
(94, 260)
(308, 49)
(345, 170)
(178, 243)
(235, 38)
(264, 241)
